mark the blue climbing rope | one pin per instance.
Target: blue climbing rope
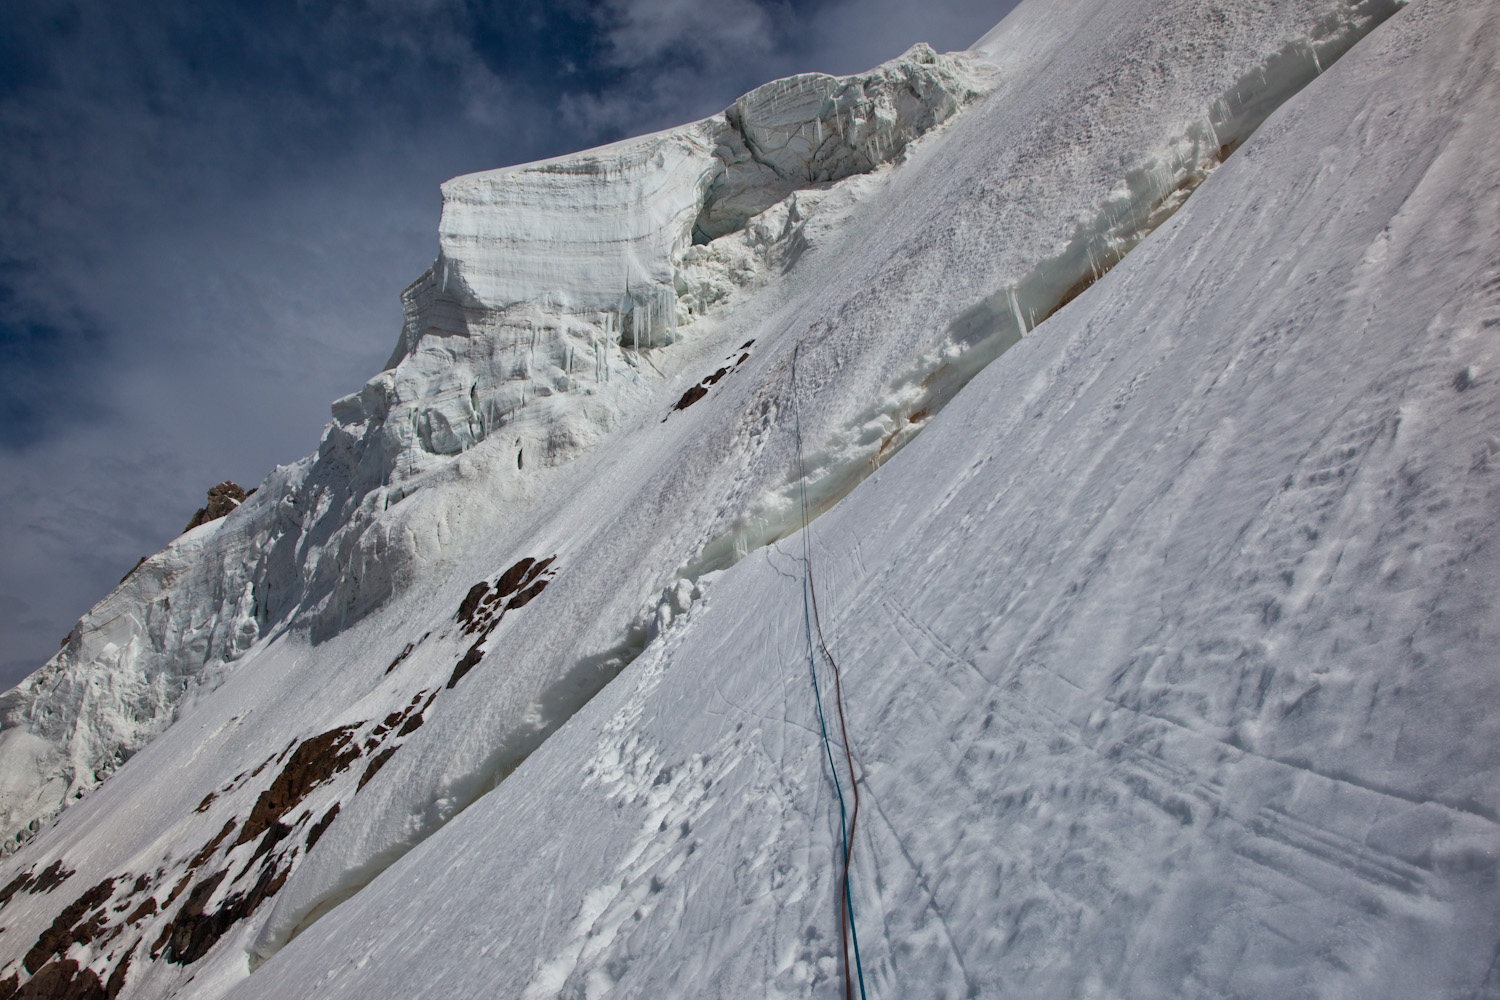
(809, 599)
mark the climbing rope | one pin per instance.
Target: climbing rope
(813, 620)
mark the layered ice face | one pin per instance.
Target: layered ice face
(552, 275)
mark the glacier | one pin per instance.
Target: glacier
(1143, 379)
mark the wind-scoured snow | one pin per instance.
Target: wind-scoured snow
(1161, 640)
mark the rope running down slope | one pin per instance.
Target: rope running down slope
(812, 619)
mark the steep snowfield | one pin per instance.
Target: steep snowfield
(1169, 648)
(1167, 644)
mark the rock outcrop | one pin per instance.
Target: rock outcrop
(222, 499)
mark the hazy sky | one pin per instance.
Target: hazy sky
(208, 211)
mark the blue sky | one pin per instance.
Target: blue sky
(207, 212)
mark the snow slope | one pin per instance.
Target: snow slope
(1168, 648)
(1164, 643)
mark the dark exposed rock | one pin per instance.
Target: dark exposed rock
(70, 927)
(376, 763)
(411, 725)
(161, 941)
(50, 878)
(312, 763)
(471, 601)
(62, 980)
(211, 846)
(700, 390)
(146, 909)
(511, 579)
(524, 597)
(275, 835)
(690, 397)
(403, 655)
(483, 608)
(469, 661)
(222, 499)
(316, 833)
(127, 576)
(117, 978)
(191, 932)
(538, 569)
(14, 886)
(196, 929)
(177, 889)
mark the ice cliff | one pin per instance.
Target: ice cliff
(1134, 366)
(555, 282)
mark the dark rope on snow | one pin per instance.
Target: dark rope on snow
(812, 620)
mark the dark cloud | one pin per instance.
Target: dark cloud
(207, 212)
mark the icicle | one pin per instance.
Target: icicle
(1015, 308)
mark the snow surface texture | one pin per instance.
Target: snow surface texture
(1169, 649)
(1165, 646)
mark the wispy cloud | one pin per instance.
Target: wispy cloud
(642, 32)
